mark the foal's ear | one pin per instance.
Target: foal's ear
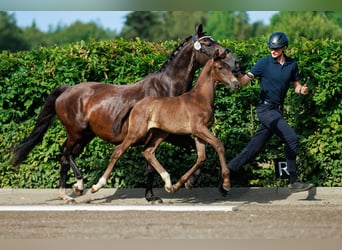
(223, 55)
(217, 55)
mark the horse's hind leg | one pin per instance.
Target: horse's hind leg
(149, 195)
(63, 176)
(71, 150)
(67, 161)
(201, 156)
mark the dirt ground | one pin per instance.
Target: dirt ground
(263, 213)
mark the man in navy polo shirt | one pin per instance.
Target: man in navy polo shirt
(276, 72)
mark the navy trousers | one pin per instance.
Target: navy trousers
(271, 122)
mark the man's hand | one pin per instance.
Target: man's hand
(304, 89)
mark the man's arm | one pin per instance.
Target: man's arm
(244, 79)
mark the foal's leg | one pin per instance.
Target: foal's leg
(157, 137)
(201, 157)
(118, 151)
(184, 141)
(207, 136)
(131, 138)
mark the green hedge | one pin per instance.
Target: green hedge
(28, 77)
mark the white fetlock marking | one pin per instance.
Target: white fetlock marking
(100, 184)
(63, 196)
(166, 178)
(61, 193)
(79, 184)
(102, 181)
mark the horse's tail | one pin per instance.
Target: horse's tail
(45, 118)
(120, 118)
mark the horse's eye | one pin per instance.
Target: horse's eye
(209, 44)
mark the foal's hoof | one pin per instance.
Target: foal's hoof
(188, 185)
(224, 191)
(169, 189)
(76, 190)
(94, 189)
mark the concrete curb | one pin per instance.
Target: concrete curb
(196, 196)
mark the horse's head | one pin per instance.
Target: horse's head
(223, 72)
(205, 47)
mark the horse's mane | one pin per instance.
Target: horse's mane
(172, 55)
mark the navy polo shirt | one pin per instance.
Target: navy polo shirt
(275, 78)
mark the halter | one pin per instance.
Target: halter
(198, 46)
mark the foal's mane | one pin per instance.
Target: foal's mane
(172, 55)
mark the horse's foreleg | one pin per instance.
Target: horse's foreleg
(187, 177)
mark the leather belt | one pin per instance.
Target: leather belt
(273, 105)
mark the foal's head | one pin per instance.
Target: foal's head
(223, 72)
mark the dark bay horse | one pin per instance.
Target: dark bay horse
(154, 118)
(94, 109)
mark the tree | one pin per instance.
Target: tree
(34, 37)
(233, 25)
(221, 24)
(142, 24)
(307, 24)
(179, 24)
(162, 25)
(11, 36)
(335, 16)
(78, 31)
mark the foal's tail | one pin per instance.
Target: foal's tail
(45, 118)
(120, 118)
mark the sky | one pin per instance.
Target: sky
(113, 20)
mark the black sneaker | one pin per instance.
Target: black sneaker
(300, 187)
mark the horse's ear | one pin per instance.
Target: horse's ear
(199, 29)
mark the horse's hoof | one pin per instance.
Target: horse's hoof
(155, 200)
(67, 199)
(151, 198)
(188, 185)
(70, 202)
